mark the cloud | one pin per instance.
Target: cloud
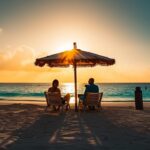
(21, 58)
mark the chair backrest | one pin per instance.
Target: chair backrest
(53, 98)
(93, 98)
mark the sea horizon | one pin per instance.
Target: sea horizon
(113, 92)
(77, 82)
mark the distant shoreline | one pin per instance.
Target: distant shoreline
(43, 100)
(73, 82)
(104, 103)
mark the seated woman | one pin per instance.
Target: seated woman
(55, 88)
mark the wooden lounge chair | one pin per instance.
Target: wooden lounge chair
(53, 99)
(92, 99)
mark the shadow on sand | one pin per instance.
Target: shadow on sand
(71, 130)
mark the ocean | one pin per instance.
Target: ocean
(113, 92)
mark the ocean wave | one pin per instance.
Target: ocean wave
(18, 94)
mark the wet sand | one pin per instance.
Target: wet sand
(117, 126)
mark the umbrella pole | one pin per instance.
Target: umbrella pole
(75, 85)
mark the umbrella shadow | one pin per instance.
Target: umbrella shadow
(55, 131)
(74, 134)
(72, 130)
(37, 134)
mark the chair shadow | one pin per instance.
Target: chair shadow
(37, 134)
(108, 135)
(71, 130)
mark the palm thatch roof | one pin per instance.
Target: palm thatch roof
(80, 57)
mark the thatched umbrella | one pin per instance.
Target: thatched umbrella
(76, 58)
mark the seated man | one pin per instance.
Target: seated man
(91, 87)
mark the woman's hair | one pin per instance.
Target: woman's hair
(55, 82)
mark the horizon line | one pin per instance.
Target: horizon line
(73, 82)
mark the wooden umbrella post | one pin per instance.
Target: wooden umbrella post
(75, 77)
(75, 85)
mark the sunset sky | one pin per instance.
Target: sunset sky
(118, 29)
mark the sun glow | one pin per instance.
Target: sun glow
(64, 46)
(51, 27)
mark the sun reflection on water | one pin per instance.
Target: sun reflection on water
(72, 100)
(69, 88)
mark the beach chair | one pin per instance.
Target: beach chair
(93, 99)
(53, 99)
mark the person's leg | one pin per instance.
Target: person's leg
(81, 102)
(54, 108)
(63, 101)
(66, 101)
(93, 107)
(58, 108)
(81, 98)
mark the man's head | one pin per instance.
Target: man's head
(91, 81)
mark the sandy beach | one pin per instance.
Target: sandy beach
(117, 126)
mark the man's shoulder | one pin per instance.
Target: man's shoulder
(92, 86)
(95, 87)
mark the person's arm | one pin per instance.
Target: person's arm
(59, 91)
(85, 92)
(98, 89)
(49, 90)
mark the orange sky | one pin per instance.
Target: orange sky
(39, 29)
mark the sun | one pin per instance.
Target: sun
(64, 46)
